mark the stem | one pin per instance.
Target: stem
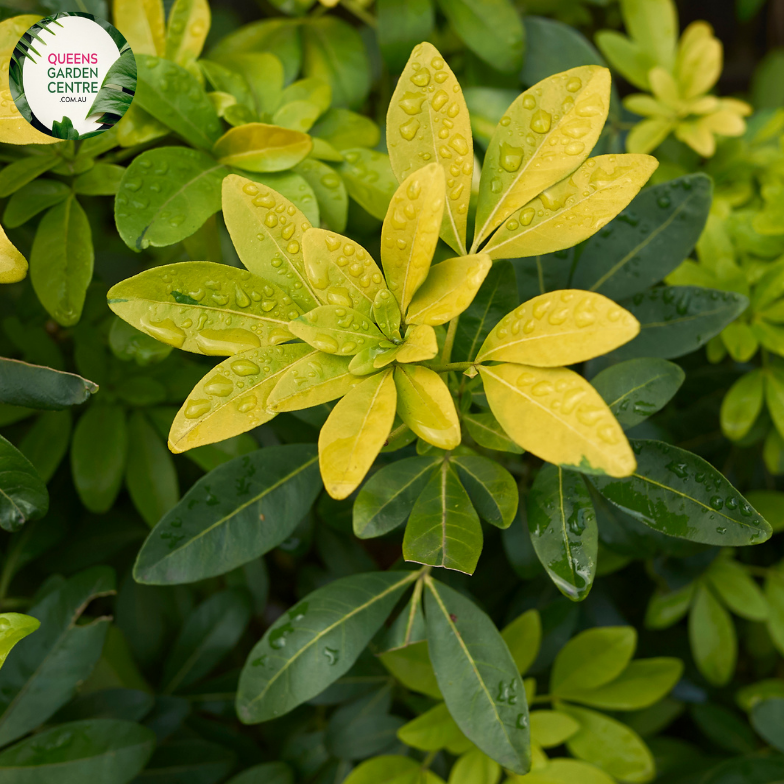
(428, 760)
(360, 13)
(450, 340)
(540, 698)
(448, 366)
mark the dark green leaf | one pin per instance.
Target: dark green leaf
(478, 677)
(188, 761)
(23, 493)
(330, 192)
(386, 499)
(236, 513)
(316, 642)
(648, 240)
(487, 432)
(638, 388)
(402, 24)
(492, 489)
(34, 386)
(45, 444)
(17, 174)
(767, 718)
(680, 494)
(105, 750)
(266, 773)
(563, 528)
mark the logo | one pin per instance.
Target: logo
(72, 76)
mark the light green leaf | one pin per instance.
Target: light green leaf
(737, 590)
(186, 31)
(336, 330)
(411, 666)
(714, 643)
(312, 381)
(33, 198)
(552, 728)
(433, 730)
(13, 628)
(523, 636)
(259, 147)
(665, 609)
(742, 405)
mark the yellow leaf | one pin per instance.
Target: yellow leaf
(259, 147)
(699, 61)
(426, 406)
(420, 344)
(138, 127)
(189, 23)
(698, 136)
(569, 109)
(14, 129)
(267, 231)
(363, 363)
(142, 22)
(188, 306)
(232, 398)
(354, 433)
(13, 265)
(341, 271)
(649, 134)
(428, 122)
(448, 290)
(336, 330)
(573, 209)
(410, 232)
(557, 415)
(559, 328)
(311, 381)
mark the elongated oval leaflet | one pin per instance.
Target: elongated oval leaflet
(35, 386)
(316, 642)
(444, 528)
(165, 195)
(142, 24)
(267, 229)
(425, 404)
(428, 122)
(205, 308)
(314, 379)
(262, 497)
(259, 147)
(354, 433)
(492, 489)
(478, 677)
(23, 494)
(448, 290)
(409, 234)
(680, 494)
(232, 398)
(647, 240)
(579, 432)
(341, 271)
(580, 98)
(574, 208)
(33, 198)
(186, 31)
(336, 330)
(559, 328)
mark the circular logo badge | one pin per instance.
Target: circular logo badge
(72, 75)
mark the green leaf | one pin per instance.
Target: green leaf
(401, 26)
(165, 195)
(330, 190)
(478, 677)
(491, 29)
(562, 523)
(333, 50)
(638, 388)
(407, 629)
(389, 769)
(315, 642)
(486, 106)
(61, 261)
(648, 240)
(35, 386)
(33, 198)
(345, 130)
(667, 608)
(209, 633)
(189, 759)
(47, 667)
(79, 751)
(23, 171)
(249, 213)
(411, 666)
(369, 180)
(767, 718)
(610, 745)
(654, 27)
(444, 529)
(640, 685)
(150, 474)
(592, 659)
(98, 456)
(487, 432)
(189, 306)
(523, 637)
(432, 731)
(386, 499)
(336, 330)
(46, 443)
(770, 504)
(496, 297)
(492, 489)
(551, 728)
(13, 628)
(714, 643)
(174, 97)
(737, 590)
(680, 494)
(266, 773)
(475, 767)
(212, 531)
(102, 180)
(676, 320)
(188, 25)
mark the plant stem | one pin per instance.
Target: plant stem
(446, 367)
(450, 340)
(360, 13)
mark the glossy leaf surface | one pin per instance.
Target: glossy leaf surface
(425, 404)
(36, 386)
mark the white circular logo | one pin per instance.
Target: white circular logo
(72, 76)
